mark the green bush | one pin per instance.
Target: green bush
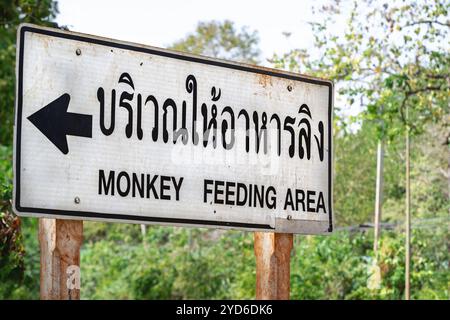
(178, 263)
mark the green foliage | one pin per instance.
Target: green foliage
(389, 56)
(354, 175)
(335, 266)
(221, 40)
(171, 263)
(6, 175)
(11, 248)
(339, 266)
(19, 255)
(12, 13)
(180, 263)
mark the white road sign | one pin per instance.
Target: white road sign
(114, 131)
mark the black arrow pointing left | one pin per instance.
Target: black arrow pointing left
(56, 123)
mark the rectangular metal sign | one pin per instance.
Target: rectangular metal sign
(114, 131)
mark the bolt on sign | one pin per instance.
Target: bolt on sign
(115, 131)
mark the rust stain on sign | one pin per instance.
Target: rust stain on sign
(264, 80)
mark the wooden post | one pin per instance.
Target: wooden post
(378, 196)
(273, 257)
(60, 242)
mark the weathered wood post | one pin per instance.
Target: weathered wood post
(60, 242)
(273, 257)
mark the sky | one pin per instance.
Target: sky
(160, 23)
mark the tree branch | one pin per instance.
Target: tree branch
(429, 88)
(430, 22)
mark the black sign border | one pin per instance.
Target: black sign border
(173, 55)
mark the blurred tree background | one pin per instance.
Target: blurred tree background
(221, 40)
(388, 56)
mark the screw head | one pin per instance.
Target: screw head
(78, 52)
(289, 87)
(77, 200)
(289, 217)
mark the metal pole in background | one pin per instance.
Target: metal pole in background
(408, 216)
(60, 242)
(273, 257)
(378, 195)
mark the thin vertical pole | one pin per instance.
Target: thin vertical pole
(408, 216)
(143, 231)
(273, 257)
(60, 242)
(378, 195)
